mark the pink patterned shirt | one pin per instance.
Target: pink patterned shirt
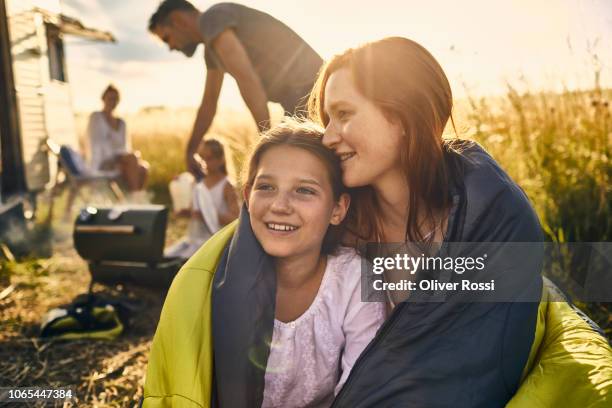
(311, 357)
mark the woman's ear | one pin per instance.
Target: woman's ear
(340, 209)
(396, 121)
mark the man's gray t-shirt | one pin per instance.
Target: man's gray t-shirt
(286, 64)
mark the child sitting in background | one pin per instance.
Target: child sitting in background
(213, 202)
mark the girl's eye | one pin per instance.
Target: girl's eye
(263, 187)
(342, 114)
(305, 190)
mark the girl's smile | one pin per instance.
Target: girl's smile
(291, 202)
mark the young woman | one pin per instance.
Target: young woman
(109, 146)
(296, 201)
(384, 106)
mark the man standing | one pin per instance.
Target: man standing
(268, 60)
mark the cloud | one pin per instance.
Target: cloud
(126, 21)
(91, 13)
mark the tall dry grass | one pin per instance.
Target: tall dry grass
(557, 148)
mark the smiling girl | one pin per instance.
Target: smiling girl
(296, 202)
(268, 313)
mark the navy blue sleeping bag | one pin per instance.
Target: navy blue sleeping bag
(431, 354)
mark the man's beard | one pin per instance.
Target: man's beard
(189, 49)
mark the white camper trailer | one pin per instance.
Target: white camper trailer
(35, 102)
(36, 29)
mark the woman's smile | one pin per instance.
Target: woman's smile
(366, 141)
(345, 156)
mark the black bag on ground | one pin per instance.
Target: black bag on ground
(125, 244)
(86, 317)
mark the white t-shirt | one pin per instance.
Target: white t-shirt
(105, 142)
(311, 357)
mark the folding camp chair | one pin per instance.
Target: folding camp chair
(76, 175)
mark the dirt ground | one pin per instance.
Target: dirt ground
(100, 373)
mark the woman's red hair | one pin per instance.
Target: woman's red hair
(406, 82)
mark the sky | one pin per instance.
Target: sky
(481, 44)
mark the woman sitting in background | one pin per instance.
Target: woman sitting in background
(110, 150)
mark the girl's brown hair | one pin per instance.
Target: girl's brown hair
(406, 82)
(306, 136)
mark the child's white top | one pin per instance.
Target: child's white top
(216, 192)
(311, 357)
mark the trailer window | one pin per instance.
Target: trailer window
(55, 46)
